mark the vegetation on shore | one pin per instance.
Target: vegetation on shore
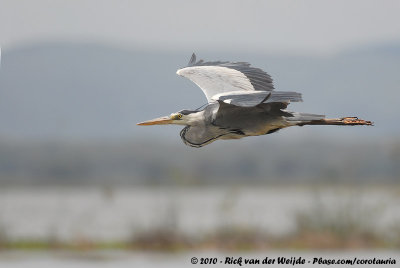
(346, 227)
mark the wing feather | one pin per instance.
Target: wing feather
(253, 98)
(220, 77)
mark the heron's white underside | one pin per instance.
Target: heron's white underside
(217, 80)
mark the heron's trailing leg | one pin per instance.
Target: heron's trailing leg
(345, 121)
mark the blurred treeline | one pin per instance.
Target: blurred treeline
(157, 163)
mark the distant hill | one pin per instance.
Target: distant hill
(86, 91)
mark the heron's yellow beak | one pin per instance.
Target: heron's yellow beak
(158, 121)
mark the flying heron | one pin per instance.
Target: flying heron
(241, 102)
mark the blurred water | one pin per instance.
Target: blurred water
(118, 214)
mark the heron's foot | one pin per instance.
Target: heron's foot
(353, 121)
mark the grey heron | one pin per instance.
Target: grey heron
(241, 102)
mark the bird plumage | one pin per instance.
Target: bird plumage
(220, 77)
(241, 102)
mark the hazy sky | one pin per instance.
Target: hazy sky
(309, 26)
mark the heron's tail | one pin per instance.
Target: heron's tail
(301, 119)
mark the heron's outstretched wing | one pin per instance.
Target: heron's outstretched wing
(222, 77)
(253, 98)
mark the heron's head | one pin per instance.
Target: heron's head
(184, 117)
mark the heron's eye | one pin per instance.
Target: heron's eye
(180, 116)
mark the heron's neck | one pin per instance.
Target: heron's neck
(194, 118)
